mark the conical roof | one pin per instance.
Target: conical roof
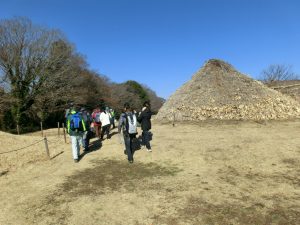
(218, 91)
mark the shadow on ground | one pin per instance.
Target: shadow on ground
(106, 176)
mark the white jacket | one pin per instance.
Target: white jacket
(104, 118)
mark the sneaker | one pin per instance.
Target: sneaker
(130, 161)
(149, 150)
(76, 160)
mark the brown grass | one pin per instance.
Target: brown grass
(198, 173)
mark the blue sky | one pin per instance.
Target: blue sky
(162, 43)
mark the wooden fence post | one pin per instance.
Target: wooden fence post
(18, 129)
(58, 129)
(42, 129)
(46, 146)
(64, 131)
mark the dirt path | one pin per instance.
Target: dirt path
(208, 173)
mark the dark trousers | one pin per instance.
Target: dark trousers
(146, 139)
(105, 130)
(112, 122)
(128, 145)
(86, 140)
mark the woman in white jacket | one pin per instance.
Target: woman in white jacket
(105, 121)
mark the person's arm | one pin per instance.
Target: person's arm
(101, 117)
(68, 125)
(140, 117)
(83, 124)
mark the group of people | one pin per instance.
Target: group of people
(101, 121)
(82, 125)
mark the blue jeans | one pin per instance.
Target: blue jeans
(128, 145)
(86, 140)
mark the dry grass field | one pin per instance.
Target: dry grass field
(210, 173)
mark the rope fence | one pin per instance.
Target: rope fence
(57, 141)
(22, 147)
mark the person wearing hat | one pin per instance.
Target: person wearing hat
(75, 128)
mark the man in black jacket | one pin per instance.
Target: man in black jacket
(145, 119)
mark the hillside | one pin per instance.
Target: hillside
(218, 91)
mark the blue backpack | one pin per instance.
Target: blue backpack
(76, 122)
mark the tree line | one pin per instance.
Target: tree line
(41, 73)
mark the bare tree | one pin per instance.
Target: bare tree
(33, 60)
(64, 78)
(278, 72)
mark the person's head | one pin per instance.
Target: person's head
(146, 104)
(76, 108)
(127, 107)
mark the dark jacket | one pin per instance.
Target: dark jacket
(145, 119)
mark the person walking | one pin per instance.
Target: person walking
(96, 121)
(105, 121)
(75, 128)
(145, 119)
(87, 134)
(127, 124)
